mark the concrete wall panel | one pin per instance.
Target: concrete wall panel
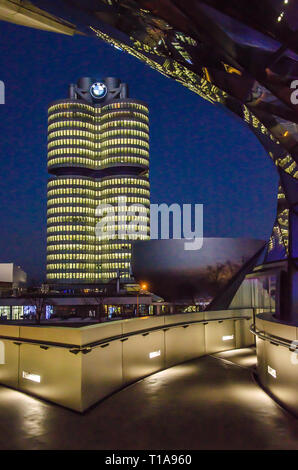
(277, 364)
(138, 324)
(58, 370)
(184, 343)
(102, 372)
(9, 361)
(183, 318)
(243, 337)
(53, 334)
(143, 354)
(219, 336)
(93, 333)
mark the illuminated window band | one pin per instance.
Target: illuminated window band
(116, 124)
(73, 247)
(82, 139)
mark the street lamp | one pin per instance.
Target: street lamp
(143, 287)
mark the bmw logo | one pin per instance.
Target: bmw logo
(98, 90)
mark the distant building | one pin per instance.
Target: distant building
(11, 276)
(98, 152)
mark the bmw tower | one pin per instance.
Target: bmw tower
(98, 155)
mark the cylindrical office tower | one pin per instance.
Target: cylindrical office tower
(125, 135)
(98, 153)
(124, 143)
(71, 136)
(129, 196)
(72, 248)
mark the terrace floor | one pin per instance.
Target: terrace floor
(208, 403)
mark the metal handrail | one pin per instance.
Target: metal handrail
(276, 340)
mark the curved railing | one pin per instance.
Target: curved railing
(275, 340)
(77, 367)
(277, 354)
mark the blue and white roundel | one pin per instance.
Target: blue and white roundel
(98, 90)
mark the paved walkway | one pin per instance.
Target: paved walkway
(208, 403)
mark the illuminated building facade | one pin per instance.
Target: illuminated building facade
(98, 154)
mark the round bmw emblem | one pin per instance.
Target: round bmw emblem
(98, 90)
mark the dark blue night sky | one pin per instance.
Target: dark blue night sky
(199, 153)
